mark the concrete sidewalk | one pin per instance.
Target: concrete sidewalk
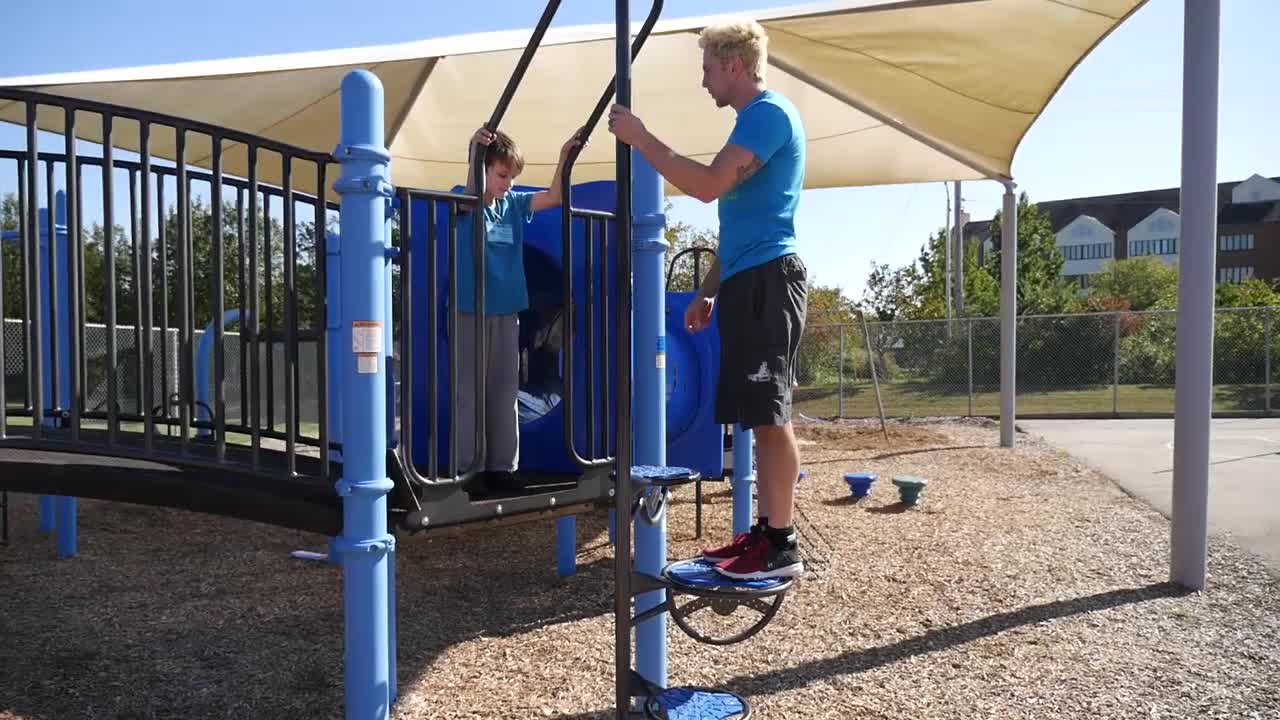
(1244, 470)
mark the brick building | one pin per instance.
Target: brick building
(1094, 230)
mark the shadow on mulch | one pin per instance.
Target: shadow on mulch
(87, 638)
(858, 661)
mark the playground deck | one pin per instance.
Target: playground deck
(1024, 585)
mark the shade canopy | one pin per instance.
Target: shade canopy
(890, 92)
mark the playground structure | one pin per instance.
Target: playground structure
(55, 444)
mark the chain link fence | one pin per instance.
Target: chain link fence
(1103, 364)
(167, 374)
(1087, 365)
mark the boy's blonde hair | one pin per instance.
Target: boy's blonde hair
(743, 39)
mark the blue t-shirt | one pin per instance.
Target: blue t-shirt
(505, 290)
(757, 218)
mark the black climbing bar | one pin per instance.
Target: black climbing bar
(622, 461)
(624, 56)
(216, 242)
(31, 267)
(147, 294)
(589, 261)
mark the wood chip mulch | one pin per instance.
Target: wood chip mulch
(1024, 585)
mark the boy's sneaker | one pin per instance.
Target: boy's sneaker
(741, 543)
(764, 560)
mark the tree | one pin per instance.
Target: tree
(682, 236)
(1041, 287)
(1140, 282)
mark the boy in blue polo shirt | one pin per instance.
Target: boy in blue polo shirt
(506, 294)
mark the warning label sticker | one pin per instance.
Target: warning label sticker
(366, 364)
(366, 336)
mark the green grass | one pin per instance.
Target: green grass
(916, 399)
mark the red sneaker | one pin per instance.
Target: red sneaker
(764, 560)
(741, 543)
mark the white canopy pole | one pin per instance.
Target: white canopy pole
(1008, 314)
(1193, 393)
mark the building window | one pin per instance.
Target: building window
(1091, 251)
(1231, 243)
(1234, 274)
(1157, 246)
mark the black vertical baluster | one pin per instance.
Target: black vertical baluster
(589, 324)
(267, 256)
(433, 329)
(22, 259)
(31, 265)
(4, 372)
(240, 305)
(50, 295)
(604, 333)
(216, 243)
(255, 389)
(453, 339)
(55, 400)
(82, 297)
(145, 287)
(290, 318)
(137, 286)
(319, 260)
(161, 223)
(109, 276)
(184, 294)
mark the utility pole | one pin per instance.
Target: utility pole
(946, 244)
(959, 254)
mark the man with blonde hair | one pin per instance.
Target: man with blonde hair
(758, 279)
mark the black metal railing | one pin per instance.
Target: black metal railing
(567, 213)
(166, 253)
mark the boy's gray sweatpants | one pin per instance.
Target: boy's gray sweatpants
(502, 383)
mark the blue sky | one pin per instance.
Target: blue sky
(1114, 127)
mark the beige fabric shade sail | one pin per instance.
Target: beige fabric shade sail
(890, 92)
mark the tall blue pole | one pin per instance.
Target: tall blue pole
(364, 545)
(744, 476)
(650, 362)
(62, 510)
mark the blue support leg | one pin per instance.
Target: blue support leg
(744, 477)
(46, 514)
(649, 360)
(613, 525)
(566, 545)
(68, 537)
(394, 691)
(365, 546)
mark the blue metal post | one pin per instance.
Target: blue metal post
(744, 476)
(365, 545)
(566, 545)
(204, 363)
(66, 507)
(650, 362)
(46, 524)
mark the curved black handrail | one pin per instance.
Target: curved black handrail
(566, 233)
(697, 251)
(477, 240)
